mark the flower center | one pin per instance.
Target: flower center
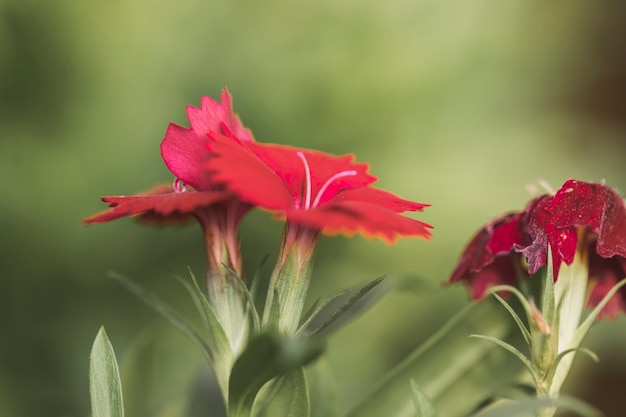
(309, 187)
(179, 186)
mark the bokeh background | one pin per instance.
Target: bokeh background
(460, 104)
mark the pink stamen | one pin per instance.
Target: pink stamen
(318, 197)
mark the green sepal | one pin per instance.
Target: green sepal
(105, 385)
(423, 405)
(265, 357)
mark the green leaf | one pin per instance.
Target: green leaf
(104, 379)
(520, 324)
(423, 405)
(450, 366)
(166, 311)
(356, 296)
(535, 405)
(322, 389)
(289, 398)
(266, 357)
(519, 355)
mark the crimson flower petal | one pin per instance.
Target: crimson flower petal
(487, 260)
(351, 217)
(594, 205)
(604, 274)
(543, 231)
(380, 198)
(162, 203)
(275, 177)
(184, 150)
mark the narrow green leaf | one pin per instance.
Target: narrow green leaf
(266, 357)
(104, 379)
(423, 405)
(586, 325)
(510, 348)
(358, 294)
(520, 324)
(527, 407)
(518, 294)
(290, 398)
(166, 311)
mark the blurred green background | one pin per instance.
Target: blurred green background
(460, 104)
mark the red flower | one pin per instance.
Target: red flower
(185, 153)
(593, 212)
(312, 189)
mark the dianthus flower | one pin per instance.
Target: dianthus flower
(194, 195)
(581, 219)
(315, 193)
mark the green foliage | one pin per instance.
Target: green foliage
(167, 312)
(287, 396)
(265, 358)
(342, 312)
(448, 366)
(104, 379)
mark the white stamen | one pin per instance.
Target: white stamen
(329, 181)
(320, 193)
(179, 186)
(307, 171)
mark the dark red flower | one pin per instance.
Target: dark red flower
(312, 189)
(578, 210)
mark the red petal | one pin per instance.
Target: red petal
(353, 217)
(161, 201)
(477, 255)
(579, 203)
(185, 154)
(274, 176)
(603, 275)
(214, 117)
(542, 231)
(380, 198)
(185, 150)
(246, 175)
(508, 234)
(500, 272)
